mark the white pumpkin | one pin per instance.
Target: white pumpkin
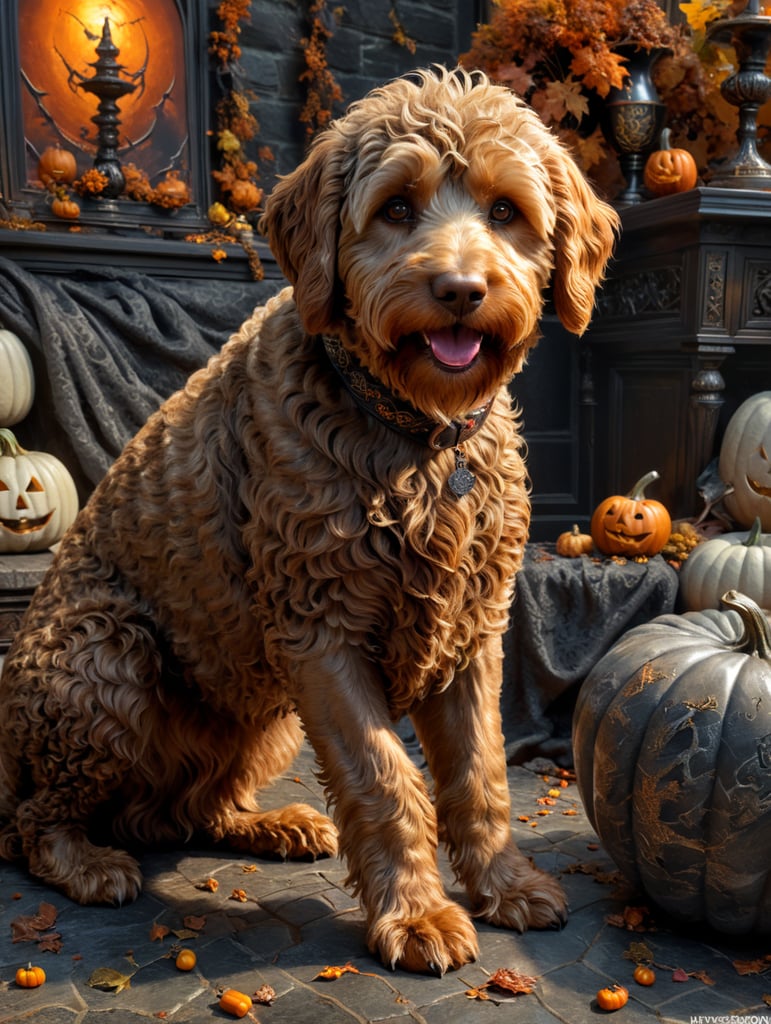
(38, 498)
(732, 561)
(17, 380)
(745, 461)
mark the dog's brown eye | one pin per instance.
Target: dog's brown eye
(502, 211)
(397, 211)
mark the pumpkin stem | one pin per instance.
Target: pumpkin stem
(638, 491)
(666, 135)
(753, 537)
(757, 632)
(8, 443)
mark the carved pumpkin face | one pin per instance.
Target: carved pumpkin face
(38, 499)
(745, 461)
(23, 499)
(631, 524)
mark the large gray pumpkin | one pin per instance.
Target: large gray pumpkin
(672, 746)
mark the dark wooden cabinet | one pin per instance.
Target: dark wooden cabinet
(681, 336)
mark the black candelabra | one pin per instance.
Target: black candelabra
(748, 88)
(107, 85)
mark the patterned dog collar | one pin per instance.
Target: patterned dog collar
(376, 399)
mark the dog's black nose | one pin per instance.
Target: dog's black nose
(460, 293)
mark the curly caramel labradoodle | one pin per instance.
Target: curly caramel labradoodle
(319, 534)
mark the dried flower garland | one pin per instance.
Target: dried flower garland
(322, 90)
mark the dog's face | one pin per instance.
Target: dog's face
(424, 227)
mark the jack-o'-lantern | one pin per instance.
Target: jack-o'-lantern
(745, 461)
(631, 524)
(38, 499)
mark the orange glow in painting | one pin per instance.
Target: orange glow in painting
(57, 42)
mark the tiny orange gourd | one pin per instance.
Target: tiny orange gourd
(631, 524)
(669, 170)
(236, 1003)
(67, 209)
(573, 543)
(186, 960)
(30, 977)
(612, 998)
(644, 975)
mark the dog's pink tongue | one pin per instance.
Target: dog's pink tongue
(454, 346)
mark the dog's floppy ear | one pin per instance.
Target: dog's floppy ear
(584, 237)
(302, 223)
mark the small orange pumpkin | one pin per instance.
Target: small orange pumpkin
(612, 998)
(172, 192)
(57, 165)
(30, 977)
(669, 170)
(573, 543)
(65, 208)
(236, 1003)
(631, 524)
(186, 960)
(644, 975)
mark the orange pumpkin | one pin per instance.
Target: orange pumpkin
(57, 165)
(669, 170)
(644, 975)
(186, 960)
(172, 192)
(30, 977)
(236, 1003)
(573, 543)
(65, 208)
(631, 524)
(612, 998)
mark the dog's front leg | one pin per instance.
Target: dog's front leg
(460, 730)
(385, 819)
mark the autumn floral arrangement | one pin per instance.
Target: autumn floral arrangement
(562, 57)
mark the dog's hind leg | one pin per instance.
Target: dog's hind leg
(74, 693)
(293, 831)
(460, 731)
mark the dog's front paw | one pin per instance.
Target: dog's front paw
(538, 901)
(439, 941)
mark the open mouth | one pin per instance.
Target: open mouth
(454, 348)
(25, 525)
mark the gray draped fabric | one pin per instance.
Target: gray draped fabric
(108, 346)
(566, 614)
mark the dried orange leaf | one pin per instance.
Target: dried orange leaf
(751, 966)
(639, 953)
(264, 995)
(108, 980)
(249, 869)
(210, 885)
(50, 943)
(185, 933)
(158, 932)
(703, 977)
(333, 973)
(476, 993)
(508, 980)
(238, 895)
(194, 922)
(679, 975)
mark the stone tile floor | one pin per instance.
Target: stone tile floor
(297, 918)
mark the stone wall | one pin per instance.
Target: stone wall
(361, 53)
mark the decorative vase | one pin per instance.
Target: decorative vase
(633, 117)
(748, 89)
